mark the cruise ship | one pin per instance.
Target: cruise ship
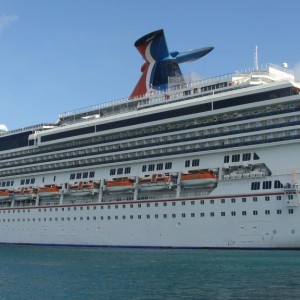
(211, 163)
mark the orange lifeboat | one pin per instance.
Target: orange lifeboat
(155, 182)
(49, 191)
(25, 193)
(81, 189)
(198, 178)
(5, 194)
(118, 185)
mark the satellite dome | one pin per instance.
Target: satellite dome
(3, 128)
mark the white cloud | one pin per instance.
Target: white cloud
(6, 20)
(296, 71)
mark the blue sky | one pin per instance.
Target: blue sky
(62, 55)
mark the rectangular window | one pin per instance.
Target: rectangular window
(187, 163)
(226, 159)
(267, 185)
(144, 168)
(278, 211)
(159, 166)
(246, 156)
(202, 215)
(255, 185)
(85, 175)
(127, 170)
(223, 214)
(112, 172)
(267, 212)
(120, 171)
(195, 162)
(233, 200)
(72, 176)
(235, 158)
(244, 213)
(168, 165)
(233, 213)
(255, 213)
(151, 167)
(92, 174)
(244, 199)
(78, 176)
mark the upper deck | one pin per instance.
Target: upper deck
(180, 92)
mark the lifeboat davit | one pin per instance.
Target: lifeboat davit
(155, 182)
(26, 193)
(119, 185)
(81, 189)
(5, 194)
(198, 178)
(49, 191)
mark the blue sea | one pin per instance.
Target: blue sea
(45, 272)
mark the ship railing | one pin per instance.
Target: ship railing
(281, 69)
(92, 108)
(32, 127)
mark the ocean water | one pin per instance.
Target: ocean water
(44, 272)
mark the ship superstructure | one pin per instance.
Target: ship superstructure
(209, 163)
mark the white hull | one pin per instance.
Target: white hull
(171, 222)
(173, 225)
(247, 133)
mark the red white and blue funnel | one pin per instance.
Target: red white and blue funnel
(160, 64)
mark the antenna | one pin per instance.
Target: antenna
(255, 58)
